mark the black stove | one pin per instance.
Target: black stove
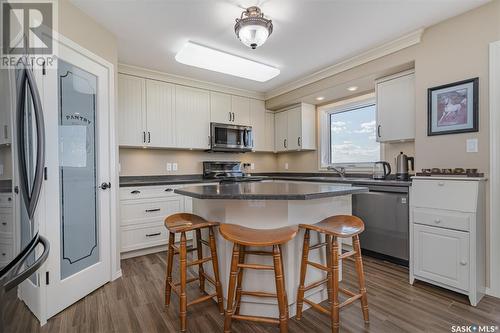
(227, 172)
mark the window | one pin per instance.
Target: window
(348, 135)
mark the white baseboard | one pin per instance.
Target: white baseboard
(492, 292)
(142, 252)
(116, 275)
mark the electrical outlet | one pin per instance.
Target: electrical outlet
(472, 145)
(286, 166)
(252, 166)
(174, 166)
(169, 166)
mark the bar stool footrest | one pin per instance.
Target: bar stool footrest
(258, 294)
(202, 299)
(317, 306)
(315, 284)
(258, 319)
(350, 300)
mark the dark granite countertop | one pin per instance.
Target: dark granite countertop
(269, 191)
(128, 181)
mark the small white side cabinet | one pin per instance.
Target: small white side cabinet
(396, 107)
(447, 234)
(262, 122)
(295, 128)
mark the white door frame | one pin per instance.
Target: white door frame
(494, 233)
(114, 269)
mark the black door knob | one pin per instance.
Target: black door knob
(105, 186)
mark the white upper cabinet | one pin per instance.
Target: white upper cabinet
(160, 114)
(220, 108)
(295, 128)
(229, 109)
(5, 107)
(396, 107)
(192, 113)
(262, 123)
(240, 107)
(131, 110)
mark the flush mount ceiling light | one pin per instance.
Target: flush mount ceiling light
(252, 28)
(197, 55)
(353, 88)
(320, 98)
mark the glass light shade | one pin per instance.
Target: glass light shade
(253, 35)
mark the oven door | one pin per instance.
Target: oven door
(230, 137)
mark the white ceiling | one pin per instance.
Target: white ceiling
(308, 34)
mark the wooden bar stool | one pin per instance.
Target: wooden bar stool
(340, 226)
(243, 237)
(182, 223)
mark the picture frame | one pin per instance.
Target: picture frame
(453, 108)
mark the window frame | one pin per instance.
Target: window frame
(325, 132)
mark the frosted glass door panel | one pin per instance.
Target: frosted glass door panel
(77, 163)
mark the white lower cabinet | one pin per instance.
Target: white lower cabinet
(442, 255)
(143, 210)
(6, 229)
(447, 234)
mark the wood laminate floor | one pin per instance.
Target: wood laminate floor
(134, 303)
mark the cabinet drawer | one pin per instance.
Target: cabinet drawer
(133, 239)
(6, 222)
(442, 219)
(445, 194)
(6, 200)
(441, 255)
(5, 252)
(137, 211)
(146, 192)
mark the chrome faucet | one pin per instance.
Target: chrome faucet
(340, 170)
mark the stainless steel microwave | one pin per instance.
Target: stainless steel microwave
(231, 138)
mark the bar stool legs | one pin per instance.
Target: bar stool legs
(239, 282)
(303, 270)
(334, 283)
(231, 289)
(170, 263)
(215, 266)
(280, 288)
(183, 271)
(361, 277)
(199, 251)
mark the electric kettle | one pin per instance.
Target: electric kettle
(403, 166)
(381, 170)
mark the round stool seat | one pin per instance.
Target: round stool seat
(339, 226)
(257, 237)
(184, 222)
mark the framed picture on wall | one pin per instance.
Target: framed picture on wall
(453, 108)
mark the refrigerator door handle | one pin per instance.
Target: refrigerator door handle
(20, 277)
(31, 195)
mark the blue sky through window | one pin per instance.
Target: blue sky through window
(353, 136)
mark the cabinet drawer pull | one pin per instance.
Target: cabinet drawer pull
(437, 221)
(135, 192)
(4, 254)
(169, 189)
(4, 223)
(463, 263)
(298, 141)
(153, 210)
(153, 235)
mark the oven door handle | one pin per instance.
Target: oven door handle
(20, 277)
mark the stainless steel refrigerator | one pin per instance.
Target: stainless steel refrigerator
(23, 145)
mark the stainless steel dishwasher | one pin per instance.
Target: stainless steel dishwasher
(386, 215)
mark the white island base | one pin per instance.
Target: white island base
(270, 214)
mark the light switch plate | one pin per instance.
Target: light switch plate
(174, 166)
(252, 166)
(286, 166)
(472, 145)
(169, 166)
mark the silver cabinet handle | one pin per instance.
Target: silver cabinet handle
(149, 137)
(169, 189)
(153, 235)
(4, 223)
(284, 143)
(233, 117)
(105, 186)
(229, 116)
(153, 210)
(437, 221)
(463, 262)
(298, 141)
(135, 192)
(378, 130)
(5, 133)
(144, 137)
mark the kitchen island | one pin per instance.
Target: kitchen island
(269, 205)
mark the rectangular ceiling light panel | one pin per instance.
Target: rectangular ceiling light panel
(193, 54)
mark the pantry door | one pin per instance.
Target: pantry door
(78, 161)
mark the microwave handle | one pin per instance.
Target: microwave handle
(245, 138)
